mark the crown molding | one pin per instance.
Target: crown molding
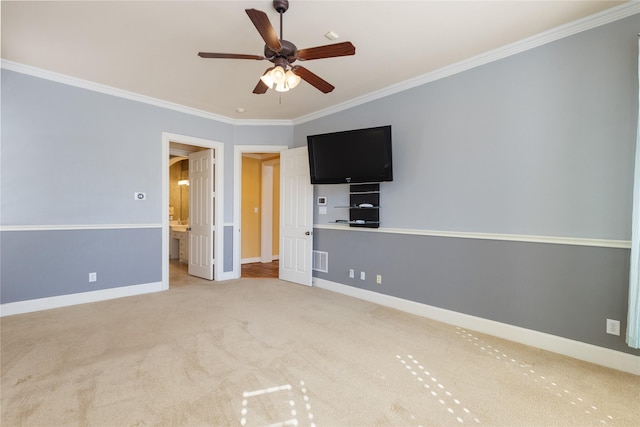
(109, 90)
(610, 15)
(596, 20)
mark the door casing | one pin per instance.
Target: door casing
(167, 138)
(238, 150)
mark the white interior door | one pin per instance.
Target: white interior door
(296, 216)
(201, 214)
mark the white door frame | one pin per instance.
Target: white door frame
(238, 151)
(167, 138)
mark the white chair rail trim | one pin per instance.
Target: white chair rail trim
(575, 241)
(76, 227)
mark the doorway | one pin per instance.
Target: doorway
(182, 146)
(267, 159)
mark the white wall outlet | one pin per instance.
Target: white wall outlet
(362, 275)
(93, 277)
(379, 279)
(352, 273)
(139, 196)
(613, 327)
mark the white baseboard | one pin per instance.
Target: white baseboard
(576, 349)
(29, 306)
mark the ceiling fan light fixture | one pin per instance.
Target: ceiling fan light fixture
(278, 75)
(282, 87)
(275, 78)
(268, 80)
(292, 79)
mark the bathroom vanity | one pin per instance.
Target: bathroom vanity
(179, 243)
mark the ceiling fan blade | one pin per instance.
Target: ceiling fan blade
(229, 56)
(315, 81)
(327, 51)
(264, 27)
(261, 87)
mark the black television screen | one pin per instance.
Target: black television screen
(354, 156)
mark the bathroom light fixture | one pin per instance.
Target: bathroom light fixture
(183, 182)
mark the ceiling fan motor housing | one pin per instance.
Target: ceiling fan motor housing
(281, 5)
(288, 52)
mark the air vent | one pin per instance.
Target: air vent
(321, 261)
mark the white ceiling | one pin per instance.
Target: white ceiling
(150, 47)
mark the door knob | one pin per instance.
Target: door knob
(307, 233)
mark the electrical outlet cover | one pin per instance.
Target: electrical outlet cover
(613, 327)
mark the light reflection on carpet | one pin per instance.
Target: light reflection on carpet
(528, 371)
(437, 390)
(279, 403)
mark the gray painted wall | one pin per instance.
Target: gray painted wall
(562, 290)
(70, 157)
(40, 264)
(73, 156)
(540, 143)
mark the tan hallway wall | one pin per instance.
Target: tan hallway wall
(276, 211)
(251, 200)
(251, 192)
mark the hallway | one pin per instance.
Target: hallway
(262, 270)
(179, 272)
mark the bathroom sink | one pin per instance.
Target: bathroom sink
(180, 228)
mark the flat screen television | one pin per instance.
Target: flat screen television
(354, 156)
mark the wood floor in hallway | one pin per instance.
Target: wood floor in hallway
(179, 272)
(261, 270)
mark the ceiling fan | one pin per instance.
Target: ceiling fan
(282, 53)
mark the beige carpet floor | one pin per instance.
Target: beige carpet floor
(266, 352)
